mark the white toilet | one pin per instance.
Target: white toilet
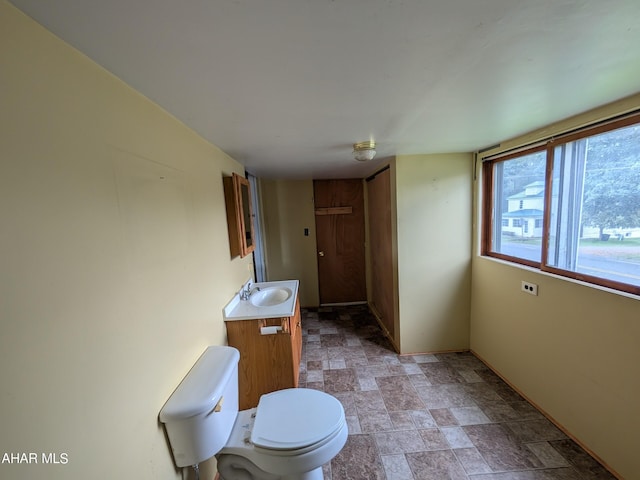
(289, 436)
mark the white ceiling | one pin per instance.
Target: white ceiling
(287, 86)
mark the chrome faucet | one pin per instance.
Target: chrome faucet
(246, 291)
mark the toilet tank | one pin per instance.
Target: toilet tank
(200, 413)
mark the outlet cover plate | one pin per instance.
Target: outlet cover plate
(530, 288)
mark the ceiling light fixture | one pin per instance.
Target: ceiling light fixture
(364, 151)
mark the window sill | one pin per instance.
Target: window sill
(559, 277)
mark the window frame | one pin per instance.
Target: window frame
(487, 206)
(548, 145)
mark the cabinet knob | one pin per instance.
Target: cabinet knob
(321, 253)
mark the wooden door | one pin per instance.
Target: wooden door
(339, 207)
(380, 238)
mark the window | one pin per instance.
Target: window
(518, 195)
(574, 206)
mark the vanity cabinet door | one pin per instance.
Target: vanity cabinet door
(267, 362)
(296, 342)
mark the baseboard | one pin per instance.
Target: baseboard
(435, 352)
(342, 304)
(384, 329)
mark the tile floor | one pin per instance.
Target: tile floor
(443, 416)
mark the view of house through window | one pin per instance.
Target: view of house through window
(519, 205)
(593, 216)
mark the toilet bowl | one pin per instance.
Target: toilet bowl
(290, 432)
(289, 436)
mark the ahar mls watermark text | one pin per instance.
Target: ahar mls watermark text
(29, 458)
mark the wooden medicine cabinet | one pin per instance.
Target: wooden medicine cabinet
(239, 215)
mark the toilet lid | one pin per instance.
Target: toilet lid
(295, 418)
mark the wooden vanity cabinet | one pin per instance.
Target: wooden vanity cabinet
(267, 362)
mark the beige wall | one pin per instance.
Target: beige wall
(115, 268)
(573, 350)
(287, 208)
(434, 251)
(115, 261)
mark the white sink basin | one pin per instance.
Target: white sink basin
(275, 299)
(270, 296)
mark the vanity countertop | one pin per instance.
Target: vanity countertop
(238, 309)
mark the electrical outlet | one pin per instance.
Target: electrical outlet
(530, 288)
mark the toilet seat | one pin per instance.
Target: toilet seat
(295, 419)
(269, 448)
